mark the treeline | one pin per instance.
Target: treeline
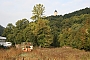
(56, 31)
(1, 30)
(71, 29)
(38, 32)
(78, 12)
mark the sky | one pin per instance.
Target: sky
(13, 10)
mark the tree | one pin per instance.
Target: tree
(28, 33)
(19, 30)
(37, 11)
(21, 24)
(44, 35)
(15, 34)
(8, 29)
(8, 32)
(39, 33)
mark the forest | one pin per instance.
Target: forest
(72, 29)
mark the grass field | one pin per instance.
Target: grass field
(44, 54)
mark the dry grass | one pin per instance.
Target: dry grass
(9, 54)
(45, 54)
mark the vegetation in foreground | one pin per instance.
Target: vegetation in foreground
(64, 53)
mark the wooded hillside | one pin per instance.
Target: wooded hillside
(71, 29)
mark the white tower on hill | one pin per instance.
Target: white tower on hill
(55, 12)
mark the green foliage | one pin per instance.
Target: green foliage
(1, 30)
(39, 33)
(37, 11)
(8, 29)
(44, 36)
(78, 13)
(28, 33)
(13, 33)
(71, 29)
(75, 32)
(21, 24)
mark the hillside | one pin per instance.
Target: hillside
(78, 13)
(75, 13)
(72, 30)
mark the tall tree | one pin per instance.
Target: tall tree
(39, 33)
(44, 35)
(28, 33)
(37, 11)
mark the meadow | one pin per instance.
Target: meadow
(64, 53)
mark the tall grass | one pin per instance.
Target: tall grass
(44, 54)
